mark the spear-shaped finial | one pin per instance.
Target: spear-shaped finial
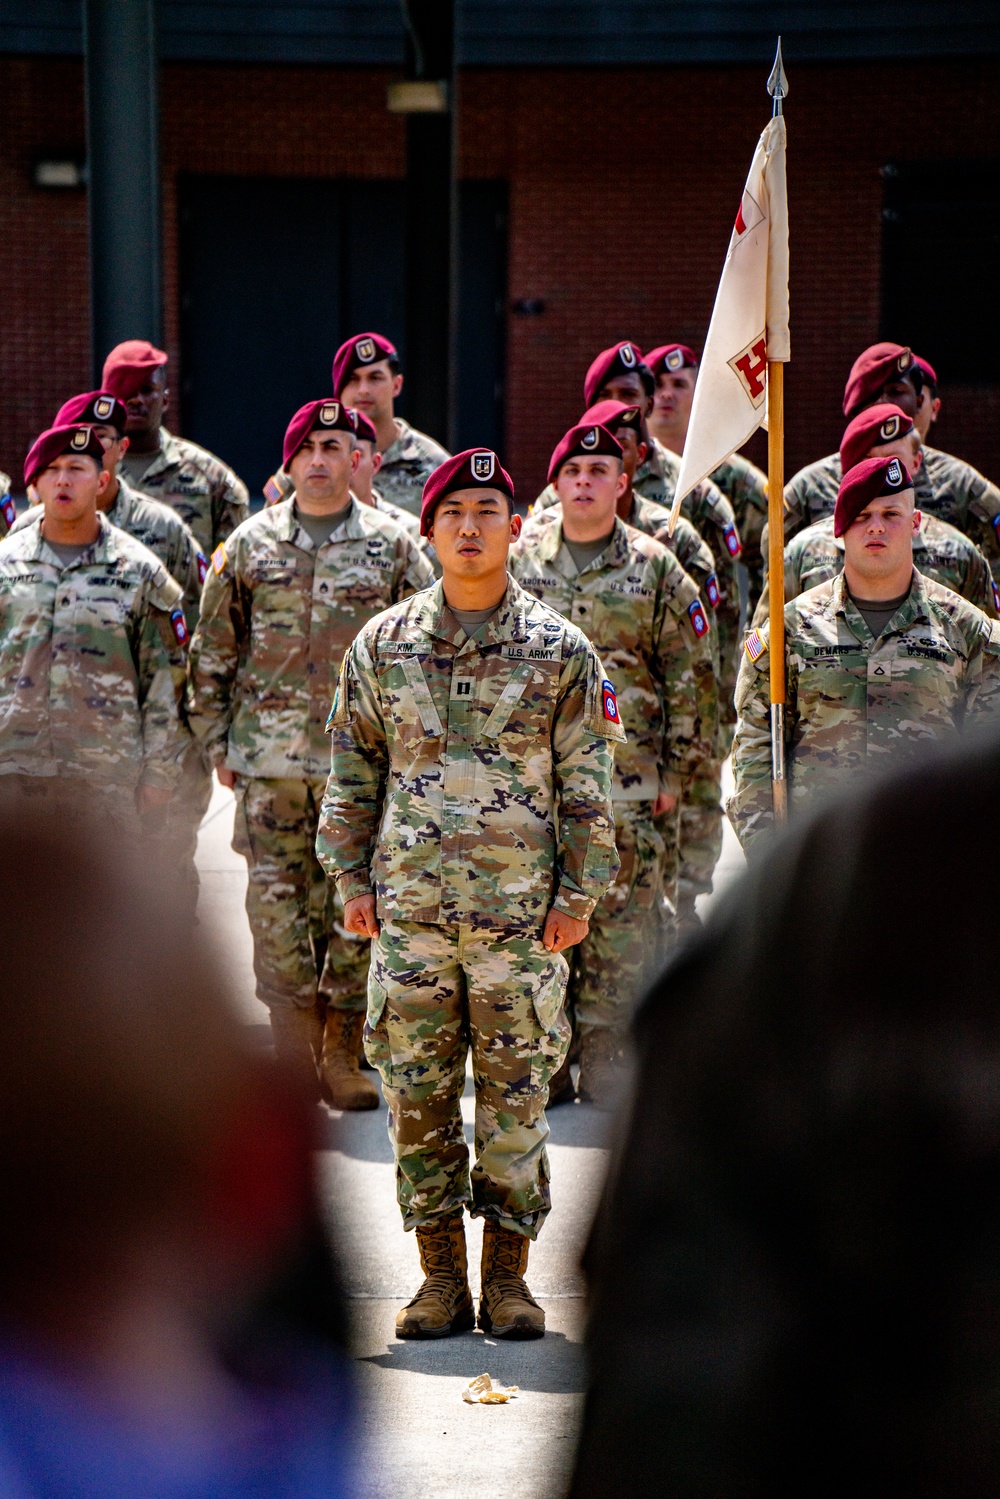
(777, 84)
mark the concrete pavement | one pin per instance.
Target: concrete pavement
(423, 1439)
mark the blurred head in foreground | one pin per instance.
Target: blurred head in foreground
(796, 1266)
(156, 1184)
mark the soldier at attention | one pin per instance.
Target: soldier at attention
(881, 662)
(675, 369)
(367, 376)
(91, 651)
(940, 551)
(285, 596)
(945, 487)
(468, 824)
(642, 614)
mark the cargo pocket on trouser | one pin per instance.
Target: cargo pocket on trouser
(376, 1037)
(647, 868)
(554, 1032)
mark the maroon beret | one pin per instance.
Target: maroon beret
(97, 407)
(315, 416)
(871, 370)
(584, 441)
(874, 425)
(871, 479)
(363, 428)
(669, 358)
(363, 348)
(129, 366)
(620, 359)
(926, 369)
(613, 414)
(464, 471)
(56, 441)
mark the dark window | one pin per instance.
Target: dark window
(941, 251)
(482, 316)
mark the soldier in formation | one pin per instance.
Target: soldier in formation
(642, 613)
(368, 377)
(469, 827)
(286, 594)
(92, 638)
(880, 660)
(940, 550)
(675, 370)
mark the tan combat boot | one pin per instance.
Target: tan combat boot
(603, 1068)
(344, 1085)
(507, 1308)
(297, 1032)
(443, 1304)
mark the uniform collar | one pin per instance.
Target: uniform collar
(551, 549)
(509, 623)
(169, 456)
(913, 609)
(100, 550)
(403, 447)
(287, 528)
(125, 502)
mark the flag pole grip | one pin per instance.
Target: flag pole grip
(776, 579)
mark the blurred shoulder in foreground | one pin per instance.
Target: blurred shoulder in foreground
(795, 1269)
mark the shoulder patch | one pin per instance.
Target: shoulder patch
(712, 590)
(697, 616)
(219, 558)
(732, 539)
(755, 646)
(8, 509)
(610, 702)
(179, 627)
(202, 567)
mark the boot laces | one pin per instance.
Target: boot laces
(442, 1275)
(505, 1272)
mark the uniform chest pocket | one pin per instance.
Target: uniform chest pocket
(411, 712)
(518, 720)
(924, 683)
(833, 679)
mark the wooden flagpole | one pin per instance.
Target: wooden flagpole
(777, 87)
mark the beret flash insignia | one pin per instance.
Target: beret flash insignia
(674, 360)
(904, 361)
(610, 702)
(589, 439)
(103, 407)
(894, 474)
(889, 429)
(329, 413)
(364, 350)
(627, 356)
(80, 439)
(482, 466)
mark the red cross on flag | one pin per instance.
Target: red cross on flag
(749, 322)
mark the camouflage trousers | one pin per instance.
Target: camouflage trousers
(301, 952)
(630, 930)
(699, 835)
(436, 992)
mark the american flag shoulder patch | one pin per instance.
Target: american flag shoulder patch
(755, 646)
(273, 491)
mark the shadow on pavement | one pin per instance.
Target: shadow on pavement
(553, 1365)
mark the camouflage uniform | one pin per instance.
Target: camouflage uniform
(204, 491)
(90, 665)
(855, 703)
(406, 464)
(470, 790)
(745, 487)
(277, 616)
(8, 510)
(944, 487)
(939, 551)
(642, 614)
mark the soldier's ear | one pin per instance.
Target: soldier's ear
(515, 523)
(642, 452)
(397, 385)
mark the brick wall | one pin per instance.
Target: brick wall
(623, 188)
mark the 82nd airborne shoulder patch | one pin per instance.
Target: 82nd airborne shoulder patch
(755, 646)
(202, 567)
(179, 626)
(698, 620)
(712, 590)
(610, 702)
(732, 539)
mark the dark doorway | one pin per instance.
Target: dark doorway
(276, 272)
(482, 315)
